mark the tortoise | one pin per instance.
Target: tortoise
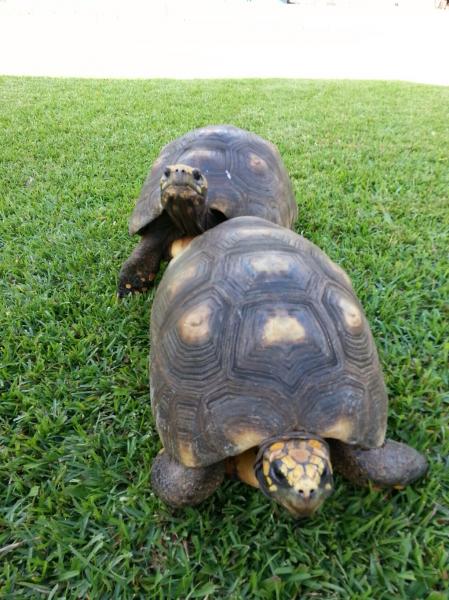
(264, 368)
(199, 180)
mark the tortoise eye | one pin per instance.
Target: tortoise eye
(277, 474)
(196, 174)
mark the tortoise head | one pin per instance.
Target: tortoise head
(295, 471)
(183, 196)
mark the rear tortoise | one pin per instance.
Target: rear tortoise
(263, 366)
(199, 180)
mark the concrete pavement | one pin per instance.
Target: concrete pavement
(225, 39)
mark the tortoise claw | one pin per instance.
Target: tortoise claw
(135, 284)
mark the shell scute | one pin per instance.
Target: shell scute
(282, 346)
(245, 174)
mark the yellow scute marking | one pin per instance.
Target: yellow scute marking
(194, 325)
(282, 329)
(270, 263)
(254, 231)
(246, 438)
(351, 313)
(186, 454)
(257, 162)
(340, 430)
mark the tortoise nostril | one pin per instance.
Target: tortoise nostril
(309, 495)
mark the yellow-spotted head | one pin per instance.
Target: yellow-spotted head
(295, 471)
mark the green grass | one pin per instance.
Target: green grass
(78, 518)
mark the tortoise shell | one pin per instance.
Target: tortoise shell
(245, 175)
(256, 332)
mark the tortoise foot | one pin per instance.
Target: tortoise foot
(181, 486)
(134, 280)
(392, 465)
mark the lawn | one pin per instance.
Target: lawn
(78, 519)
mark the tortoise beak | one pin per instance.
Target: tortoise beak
(183, 176)
(304, 511)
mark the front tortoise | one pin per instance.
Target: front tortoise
(199, 180)
(263, 366)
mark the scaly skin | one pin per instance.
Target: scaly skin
(294, 471)
(138, 273)
(392, 465)
(181, 486)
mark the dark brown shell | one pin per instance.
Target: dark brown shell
(245, 175)
(256, 332)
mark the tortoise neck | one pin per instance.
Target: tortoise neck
(186, 212)
(246, 466)
(241, 467)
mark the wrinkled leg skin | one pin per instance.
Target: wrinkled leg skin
(139, 271)
(180, 486)
(392, 465)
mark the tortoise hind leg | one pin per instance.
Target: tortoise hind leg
(392, 465)
(181, 486)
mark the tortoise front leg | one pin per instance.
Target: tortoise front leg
(140, 270)
(392, 465)
(181, 486)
